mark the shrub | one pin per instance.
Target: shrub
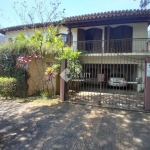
(46, 94)
(7, 86)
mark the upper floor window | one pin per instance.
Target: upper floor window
(10, 39)
(63, 37)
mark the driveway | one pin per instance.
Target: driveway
(71, 127)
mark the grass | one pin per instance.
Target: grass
(38, 100)
(41, 100)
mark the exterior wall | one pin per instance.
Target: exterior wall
(111, 59)
(29, 32)
(2, 39)
(13, 34)
(140, 30)
(149, 34)
(37, 78)
(63, 30)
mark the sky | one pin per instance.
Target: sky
(8, 16)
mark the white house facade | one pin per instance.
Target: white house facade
(115, 42)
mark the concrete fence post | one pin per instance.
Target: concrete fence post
(147, 85)
(62, 81)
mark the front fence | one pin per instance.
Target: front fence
(113, 81)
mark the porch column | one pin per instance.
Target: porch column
(103, 39)
(69, 40)
(62, 81)
(147, 85)
(108, 37)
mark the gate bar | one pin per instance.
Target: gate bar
(62, 81)
(147, 85)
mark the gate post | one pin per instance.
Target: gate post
(62, 81)
(147, 85)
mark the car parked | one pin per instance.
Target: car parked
(117, 80)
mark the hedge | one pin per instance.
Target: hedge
(7, 86)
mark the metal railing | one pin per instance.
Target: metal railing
(134, 45)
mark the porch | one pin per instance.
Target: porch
(131, 45)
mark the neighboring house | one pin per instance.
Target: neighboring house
(2, 39)
(104, 36)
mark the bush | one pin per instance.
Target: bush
(44, 94)
(7, 86)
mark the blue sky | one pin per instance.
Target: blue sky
(8, 17)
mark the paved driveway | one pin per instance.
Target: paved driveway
(71, 127)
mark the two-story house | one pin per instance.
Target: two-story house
(116, 42)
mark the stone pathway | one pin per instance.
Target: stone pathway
(71, 127)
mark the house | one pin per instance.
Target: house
(116, 42)
(2, 39)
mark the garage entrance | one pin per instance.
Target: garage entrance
(109, 80)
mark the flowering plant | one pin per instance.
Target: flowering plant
(49, 73)
(24, 60)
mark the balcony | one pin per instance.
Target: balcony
(134, 45)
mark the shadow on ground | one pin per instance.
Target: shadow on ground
(67, 127)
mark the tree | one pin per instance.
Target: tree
(40, 44)
(144, 3)
(43, 12)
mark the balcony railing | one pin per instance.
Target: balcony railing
(136, 45)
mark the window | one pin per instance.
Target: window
(10, 39)
(63, 37)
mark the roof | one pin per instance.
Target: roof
(136, 15)
(109, 14)
(110, 17)
(27, 26)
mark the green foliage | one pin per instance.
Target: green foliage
(141, 90)
(23, 46)
(51, 44)
(44, 94)
(8, 69)
(7, 86)
(21, 76)
(73, 61)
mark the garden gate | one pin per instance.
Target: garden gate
(115, 80)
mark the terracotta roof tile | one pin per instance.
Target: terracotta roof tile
(86, 17)
(108, 14)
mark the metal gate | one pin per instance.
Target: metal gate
(113, 80)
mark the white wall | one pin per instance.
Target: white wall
(29, 32)
(2, 39)
(148, 33)
(139, 31)
(13, 34)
